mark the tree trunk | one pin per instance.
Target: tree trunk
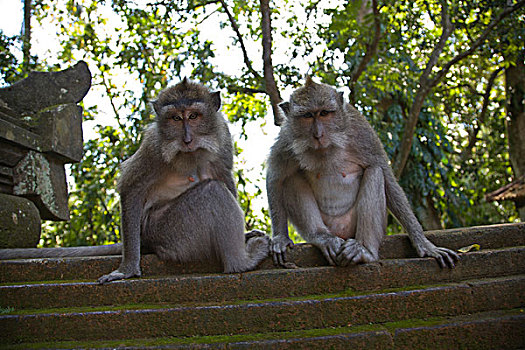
(26, 37)
(427, 214)
(515, 122)
(425, 85)
(269, 80)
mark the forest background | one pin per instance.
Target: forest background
(442, 83)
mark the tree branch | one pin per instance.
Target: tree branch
(459, 86)
(271, 86)
(107, 85)
(170, 4)
(241, 41)
(245, 90)
(467, 152)
(371, 48)
(477, 43)
(424, 88)
(426, 84)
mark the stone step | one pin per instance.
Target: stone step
(321, 311)
(394, 247)
(502, 329)
(262, 284)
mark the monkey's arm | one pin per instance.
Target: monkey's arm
(399, 206)
(225, 175)
(132, 185)
(223, 167)
(280, 238)
(131, 209)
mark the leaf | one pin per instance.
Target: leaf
(470, 248)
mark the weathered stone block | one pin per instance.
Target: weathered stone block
(19, 222)
(43, 180)
(41, 90)
(40, 131)
(61, 131)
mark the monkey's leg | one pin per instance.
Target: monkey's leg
(204, 223)
(238, 251)
(371, 213)
(303, 211)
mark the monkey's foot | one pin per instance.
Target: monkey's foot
(278, 246)
(258, 247)
(353, 252)
(329, 245)
(117, 275)
(253, 233)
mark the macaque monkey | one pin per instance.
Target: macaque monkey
(329, 175)
(177, 192)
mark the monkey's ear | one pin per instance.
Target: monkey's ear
(156, 107)
(216, 100)
(341, 97)
(285, 106)
(308, 80)
(184, 81)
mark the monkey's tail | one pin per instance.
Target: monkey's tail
(30, 253)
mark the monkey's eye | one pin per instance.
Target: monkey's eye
(324, 113)
(308, 115)
(193, 116)
(177, 118)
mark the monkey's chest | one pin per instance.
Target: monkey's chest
(335, 194)
(173, 185)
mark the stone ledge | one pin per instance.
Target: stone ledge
(262, 284)
(304, 255)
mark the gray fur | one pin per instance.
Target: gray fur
(329, 175)
(179, 219)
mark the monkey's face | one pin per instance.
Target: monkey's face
(189, 127)
(315, 119)
(187, 119)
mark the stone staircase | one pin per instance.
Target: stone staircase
(400, 302)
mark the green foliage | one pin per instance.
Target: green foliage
(8, 60)
(135, 50)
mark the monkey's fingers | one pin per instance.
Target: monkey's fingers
(440, 260)
(278, 255)
(278, 248)
(450, 257)
(116, 275)
(329, 254)
(358, 258)
(347, 255)
(347, 252)
(281, 259)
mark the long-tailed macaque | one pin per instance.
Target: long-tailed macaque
(177, 192)
(329, 175)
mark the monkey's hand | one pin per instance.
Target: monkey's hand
(445, 257)
(330, 245)
(353, 252)
(118, 275)
(278, 247)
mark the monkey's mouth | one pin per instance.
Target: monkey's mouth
(188, 148)
(319, 145)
